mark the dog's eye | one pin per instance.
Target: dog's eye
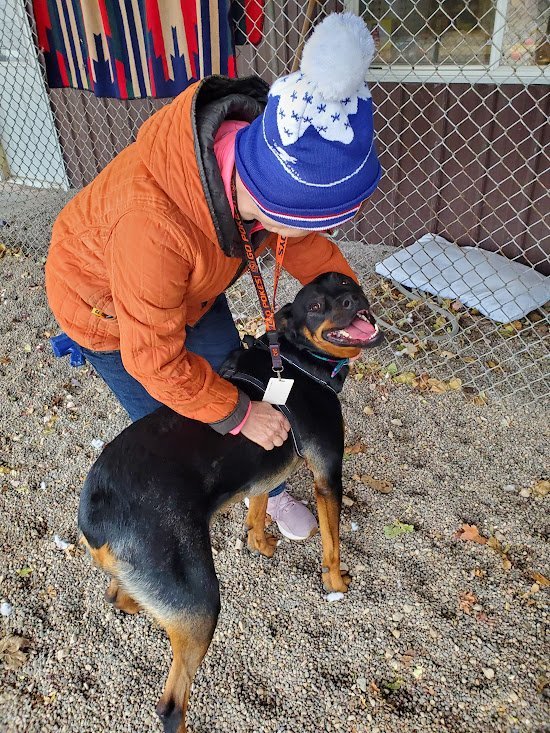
(314, 307)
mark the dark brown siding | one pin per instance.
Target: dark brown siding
(463, 161)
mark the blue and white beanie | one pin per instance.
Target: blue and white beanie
(309, 160)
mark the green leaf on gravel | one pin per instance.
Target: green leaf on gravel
(24, 572)
(397, 684)
(397, 528)
(392, 369)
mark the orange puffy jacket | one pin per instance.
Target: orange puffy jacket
(151, 243)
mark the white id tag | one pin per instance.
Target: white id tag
(277, 391)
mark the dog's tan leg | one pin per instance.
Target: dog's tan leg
(120, 599)
(104, 559)
(258, 540)
(328, 510)
(190, 639)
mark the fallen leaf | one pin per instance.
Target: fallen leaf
(397, 684)
(541, 488)
(12, 651)
(397, 528)
(407, 350)
(480, 399)
(470, 533)
(447, 354)
(440, 323)
(392, 369)
(457, 305)
(355, 448)
(405, 378)
(540, 579)
(27, 348)
(467, 600)
(438, 386)
(418, 672)
(24, 572)
(383, 486)
(455, 383)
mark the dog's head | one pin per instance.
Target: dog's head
(332, 316)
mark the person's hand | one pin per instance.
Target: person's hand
(265, 426)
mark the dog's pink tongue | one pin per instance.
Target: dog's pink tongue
(359, 329)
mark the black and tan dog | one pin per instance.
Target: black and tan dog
(148, 499)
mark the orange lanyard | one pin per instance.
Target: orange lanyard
(268, 310)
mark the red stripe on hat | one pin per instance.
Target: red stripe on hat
(304, 217)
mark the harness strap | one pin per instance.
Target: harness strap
(296, 438)
(251, 342)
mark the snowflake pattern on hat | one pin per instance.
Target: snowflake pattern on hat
(301, 105)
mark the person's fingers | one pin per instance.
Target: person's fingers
(278, 440)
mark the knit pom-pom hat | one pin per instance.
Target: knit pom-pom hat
(309, 160)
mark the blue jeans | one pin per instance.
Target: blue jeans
(214, 337)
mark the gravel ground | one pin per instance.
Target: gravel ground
(436, 634)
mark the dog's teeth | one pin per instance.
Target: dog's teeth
(344, 333)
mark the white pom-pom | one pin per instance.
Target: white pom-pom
(337, 56)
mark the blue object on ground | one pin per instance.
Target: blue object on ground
(63, 345)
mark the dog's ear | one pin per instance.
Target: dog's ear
(285, 321)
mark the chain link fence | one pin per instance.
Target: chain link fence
(462, 99)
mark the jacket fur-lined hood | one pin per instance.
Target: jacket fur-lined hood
(177, 147)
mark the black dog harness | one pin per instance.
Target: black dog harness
(251, 342)
(249, 379)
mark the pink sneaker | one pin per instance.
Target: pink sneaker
(293, 518)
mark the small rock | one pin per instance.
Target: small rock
(397, 617)
(368, 410)
(489, 673)
(509, 487)
(359, 569)
(354, 526)
(397, 422)
(331, 597)
(390, 434)
(408, 608)
(526, 493)
(396, 633)
(362, 684)
(239, 545)
(59, 543)
(347, 501)
(6, 609)
(97, 443)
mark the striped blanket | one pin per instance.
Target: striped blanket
(134, 48)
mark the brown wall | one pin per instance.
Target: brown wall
(463, 161)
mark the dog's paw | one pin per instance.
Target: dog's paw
(265, 545)
(336, 581)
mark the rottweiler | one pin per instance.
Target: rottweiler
(148, 499)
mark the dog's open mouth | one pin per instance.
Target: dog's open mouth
(362, 331)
